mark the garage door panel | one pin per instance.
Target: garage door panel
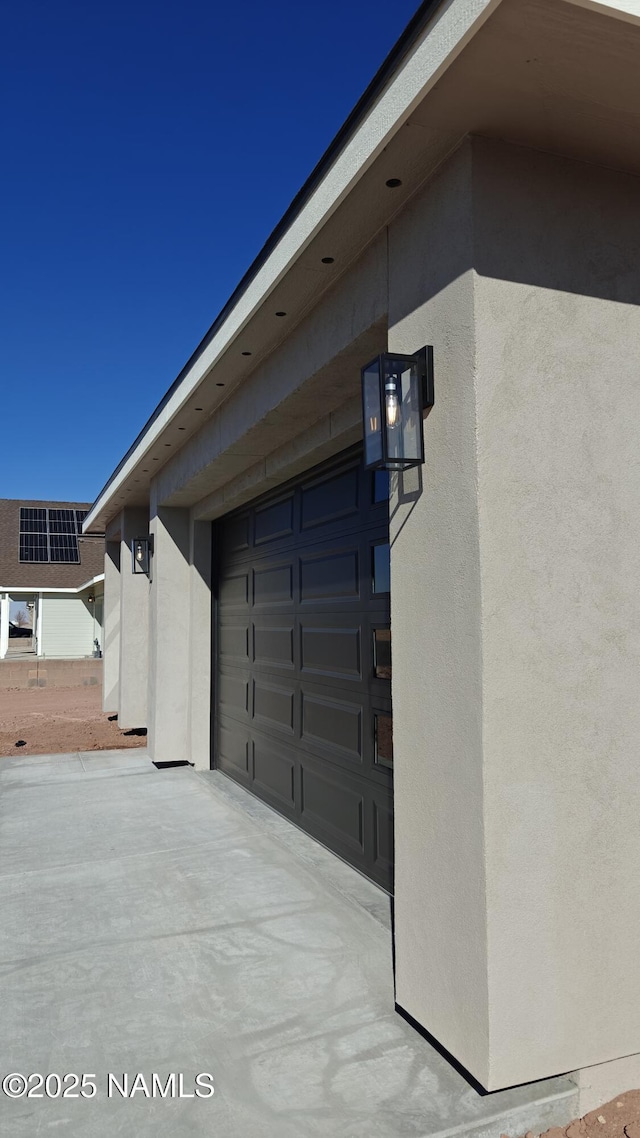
(330, 499)
(234, 591)
(334, 808)
(273, 643)
(332, 724)
(274, 521)
(233, 643)
(234, 533)
(383, 835)
(331, 648)
(273, 585)
(300, 677)
(233, 694)
(273, 706)
(274, 772)
(330, 575)
(233, 749)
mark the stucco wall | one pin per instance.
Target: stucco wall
(515, 615)
(557, 253)
(440, 911)
(168, 719)
(200, 617)
(134, 625)
(111, 629)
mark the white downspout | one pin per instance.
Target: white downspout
(39, 626)
(5, 610)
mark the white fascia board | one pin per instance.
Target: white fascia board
(628, 10)
(454, 24)
(49, 589)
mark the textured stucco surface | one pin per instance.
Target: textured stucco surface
(436, 627)
(134, 626)
(169, 621)
(515, 616)
(557, 253)
(111, 626)
(200, 617)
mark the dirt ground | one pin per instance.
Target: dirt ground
(619, 1118)
(59, 720)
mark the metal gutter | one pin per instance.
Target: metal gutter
(52, 589)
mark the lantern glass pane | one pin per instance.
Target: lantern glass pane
(404, 439)
(372, 413)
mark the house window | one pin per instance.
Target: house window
(50, 534)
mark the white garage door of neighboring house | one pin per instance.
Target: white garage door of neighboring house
(67, 627)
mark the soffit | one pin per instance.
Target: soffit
(540, 73)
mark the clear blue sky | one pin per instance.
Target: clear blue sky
(148, 149)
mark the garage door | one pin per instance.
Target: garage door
(303, 676)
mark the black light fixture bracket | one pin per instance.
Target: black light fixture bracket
(425, 371)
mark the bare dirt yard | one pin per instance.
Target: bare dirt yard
(619, 1118)
(58, 720)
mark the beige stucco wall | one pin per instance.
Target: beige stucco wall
(169, 621)
(200, 616)
(441, 934)
(134, 625)
(515, 616)
(557, 252)
(111, 627)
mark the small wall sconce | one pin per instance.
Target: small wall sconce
(396, 391)
(90, 598)
(141, 550)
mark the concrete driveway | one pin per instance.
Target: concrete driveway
(161, 922)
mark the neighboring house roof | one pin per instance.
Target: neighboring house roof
(17, 574)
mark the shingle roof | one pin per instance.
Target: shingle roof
(15, 574)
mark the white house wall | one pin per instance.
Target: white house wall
(67, 627)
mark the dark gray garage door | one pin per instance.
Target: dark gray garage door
(303, 677)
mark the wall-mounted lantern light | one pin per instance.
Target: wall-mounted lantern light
(396, 391)
(141, 550)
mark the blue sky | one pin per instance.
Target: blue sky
(148, 149)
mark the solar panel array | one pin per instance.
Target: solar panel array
(50, 534)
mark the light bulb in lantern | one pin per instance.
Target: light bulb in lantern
(392, 405)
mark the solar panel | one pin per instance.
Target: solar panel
(34, 547)
(62, 521)
(50, 534)
(64, 548)
(33, 519)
